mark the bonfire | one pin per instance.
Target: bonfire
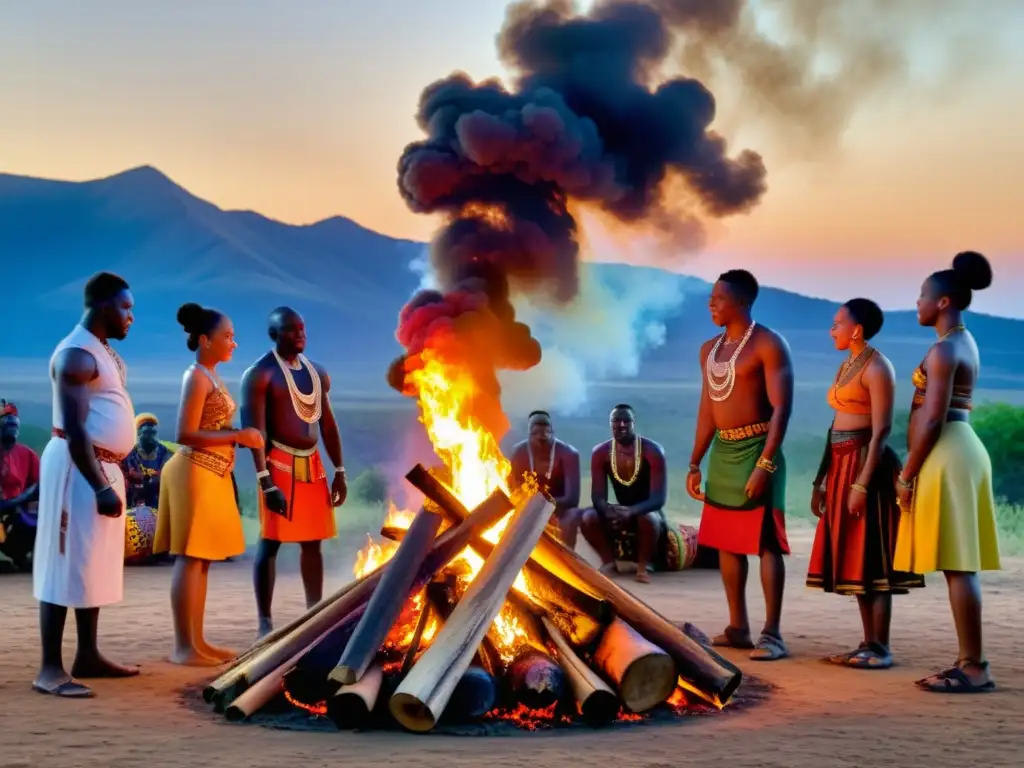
(471, 609)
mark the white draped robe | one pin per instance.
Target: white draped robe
(83, 565)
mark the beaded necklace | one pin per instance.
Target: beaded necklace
(551, 459)
(636, 462)
(721, 376)
(307, 407)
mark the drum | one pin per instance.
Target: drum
(681, 549)
(139, 530)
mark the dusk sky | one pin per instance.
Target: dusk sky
(300, 110)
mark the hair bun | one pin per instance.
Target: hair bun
(190, 315)
(973, 270)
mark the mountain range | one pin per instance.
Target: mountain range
(348, 281)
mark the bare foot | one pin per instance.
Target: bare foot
(643, 576)
(265, 628)
(190, 657)
(93, 666)
(215, 651)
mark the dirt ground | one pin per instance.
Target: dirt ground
(818, 716)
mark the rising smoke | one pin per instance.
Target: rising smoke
(592, 124)
(587, 123)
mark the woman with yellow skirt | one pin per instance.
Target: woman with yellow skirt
(198, 520)
(945, 489)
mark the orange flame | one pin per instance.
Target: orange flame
(476, 467)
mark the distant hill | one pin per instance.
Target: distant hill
(347, 280)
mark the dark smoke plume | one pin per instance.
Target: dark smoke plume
(587, 122)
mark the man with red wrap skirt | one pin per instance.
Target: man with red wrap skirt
(746, 401)
(287, 398)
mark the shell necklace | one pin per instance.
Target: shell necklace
(551, 459)
(721, 377)
(636, 462)
(307, 407)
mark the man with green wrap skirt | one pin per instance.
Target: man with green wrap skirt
(746, 401)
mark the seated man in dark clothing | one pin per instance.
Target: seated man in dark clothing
(632, 529)
(142, 468)
(556, 467)
(19, 491)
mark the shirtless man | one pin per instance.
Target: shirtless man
(79, 556)
(635, 524)
(556, 465)
(745, 406)
(287, 398)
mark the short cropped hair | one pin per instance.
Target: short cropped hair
(545, 414)
(867, 315)
(103, 287)
(742, 283)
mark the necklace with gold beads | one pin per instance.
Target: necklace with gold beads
(636, 462)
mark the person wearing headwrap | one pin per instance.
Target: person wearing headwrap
(19, 490)
(142, 468)
(143, 465)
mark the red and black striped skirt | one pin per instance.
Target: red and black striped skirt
(854, 555)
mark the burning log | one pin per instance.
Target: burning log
(477, 690)
(421, 698)
(329, 621)
(595, 700)
(585, 613)
(352, 705)
(531, 676)
(644, 673)
(704, 669)
(713, 676)
(257, 696)
(393, 532)
(474, 696)
(534, 679)
(417, 636)
(387, 601)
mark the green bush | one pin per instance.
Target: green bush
(369, 487)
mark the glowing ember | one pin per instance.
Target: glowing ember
(314, 709)
(686, 696)
(530, 719)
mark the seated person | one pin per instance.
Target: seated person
(19, 491)
(632, 529)
(556, 467)
(142, 467)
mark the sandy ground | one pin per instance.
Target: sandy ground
(818, 715)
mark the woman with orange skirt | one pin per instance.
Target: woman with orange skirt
(854, 494)
(198, 520)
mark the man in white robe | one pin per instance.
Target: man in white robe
(78, 560)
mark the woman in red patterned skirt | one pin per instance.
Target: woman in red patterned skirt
(854, 493)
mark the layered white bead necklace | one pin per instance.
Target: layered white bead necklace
(721, 377)
(307, 407)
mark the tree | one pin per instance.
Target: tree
(1000, 426)
(370, 487)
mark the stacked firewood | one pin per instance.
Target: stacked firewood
(585, 646)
